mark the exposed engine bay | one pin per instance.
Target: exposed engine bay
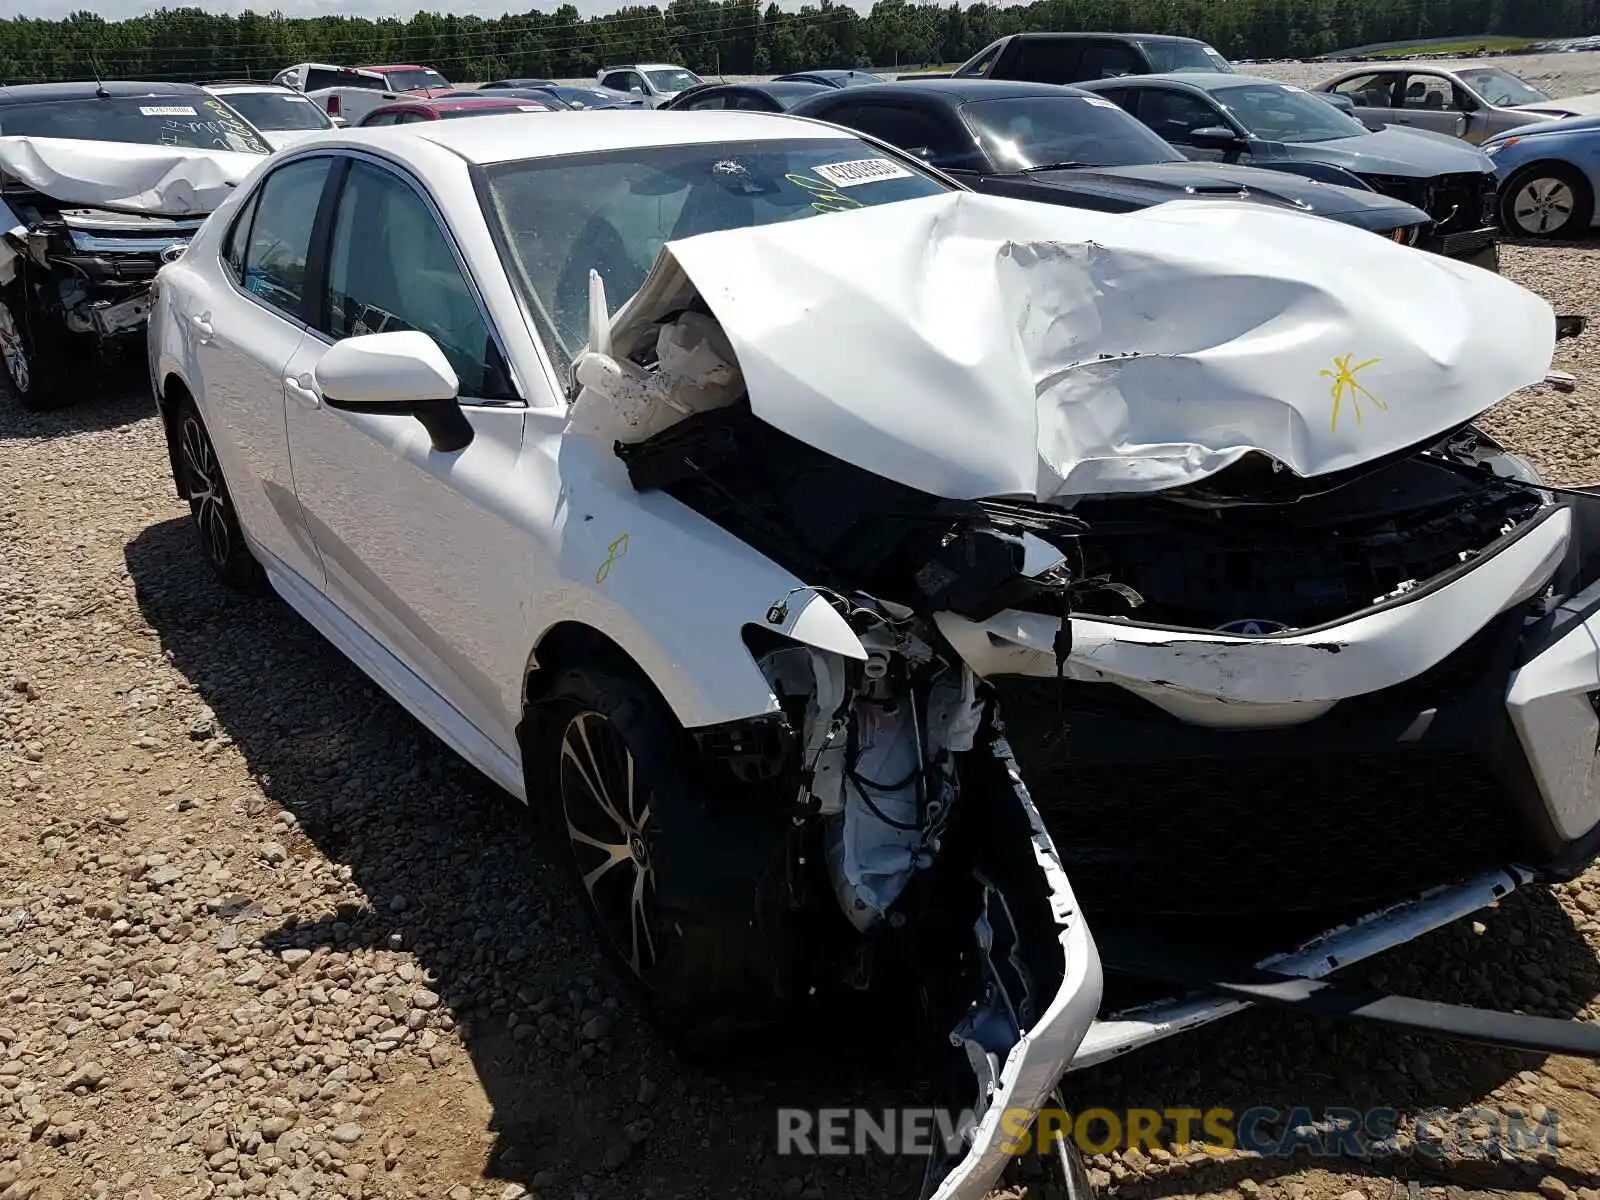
(1203, 688)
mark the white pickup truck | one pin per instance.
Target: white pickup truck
(348, 93)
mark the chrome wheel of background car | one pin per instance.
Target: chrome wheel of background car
(14, 353)
(1542, 206)
(1549, 201)
(606, 807)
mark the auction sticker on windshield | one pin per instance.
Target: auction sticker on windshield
(167, 110)
(861, 170)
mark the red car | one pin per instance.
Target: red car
(447, 109)
(406, 77)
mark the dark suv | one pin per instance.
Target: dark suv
(1074, 57)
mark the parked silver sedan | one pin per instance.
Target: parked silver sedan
(1471, 103)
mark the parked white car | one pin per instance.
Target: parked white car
(346, 94)
(280, 114)
(732, 581)
(651, 84)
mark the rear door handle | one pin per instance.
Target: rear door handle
(300, 393)
(202, 326)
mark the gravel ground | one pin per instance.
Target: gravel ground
(260, 934)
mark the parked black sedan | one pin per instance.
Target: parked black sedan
(1060, 145)
(1265, 123)
(771, 97)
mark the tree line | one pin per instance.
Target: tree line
(727, 36)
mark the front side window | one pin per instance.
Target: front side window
(714, 100)
(318, 78)
(1166, 57)
(623, 81)
(1501, 87)
(1175, 115)
(184, 121)
(405, 277)
(1277, 112)
(613, 211)
(1030, 133)
(279, 110)
(905, 127)
(275, 257)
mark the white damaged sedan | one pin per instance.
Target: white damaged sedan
(716, 482)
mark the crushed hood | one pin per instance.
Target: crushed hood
(167, 180)
(974, 346)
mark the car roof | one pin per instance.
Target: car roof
(965, 89)
(515, 137)
(392, 67)
(89, 89)
(772, 87)
(247, 85)
(1203, 81)
(453, 103)
(1132, 37)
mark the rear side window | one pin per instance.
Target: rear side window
(280, 236)
(239, 237)
(321, 78)
(1045, 60)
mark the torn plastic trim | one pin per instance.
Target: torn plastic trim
(1034, 1064)
(1131, 1029)
(1227, 680)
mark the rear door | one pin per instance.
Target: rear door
(242, 338)
(1430, 101)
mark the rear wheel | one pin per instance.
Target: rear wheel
(216, 523)
(1549, 200)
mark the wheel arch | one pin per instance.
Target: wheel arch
(171, 396)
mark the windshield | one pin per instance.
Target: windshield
(190, 122)
(1277, 112)
(1184, 56)
(277, 111)
(1501, 87)
(1080, 131)
(675, 79)
(586, 97)
(614, 211)
(414, 81)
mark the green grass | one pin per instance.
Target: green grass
(1457, 48)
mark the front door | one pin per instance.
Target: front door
(420, 546)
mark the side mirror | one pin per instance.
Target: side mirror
(1339, 100)
(636, 90)
(402, 373)
(339, 122)
(1214, 137)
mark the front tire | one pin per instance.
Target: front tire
(216, 522)
(669, 875)
(29, 363)
(1548, 200)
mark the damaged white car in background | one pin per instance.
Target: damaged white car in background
(99, 185)
(913, 595)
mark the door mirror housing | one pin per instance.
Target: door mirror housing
(1215, 137)
(1340, 101)
(402, 373)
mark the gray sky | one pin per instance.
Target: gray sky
(113, 10)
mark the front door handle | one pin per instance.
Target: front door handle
(202, 326)
(299, 391)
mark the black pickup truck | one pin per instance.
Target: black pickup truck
(1075, 57)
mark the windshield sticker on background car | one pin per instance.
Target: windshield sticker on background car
(861, 170)
(167, 110)
(1098, 102)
